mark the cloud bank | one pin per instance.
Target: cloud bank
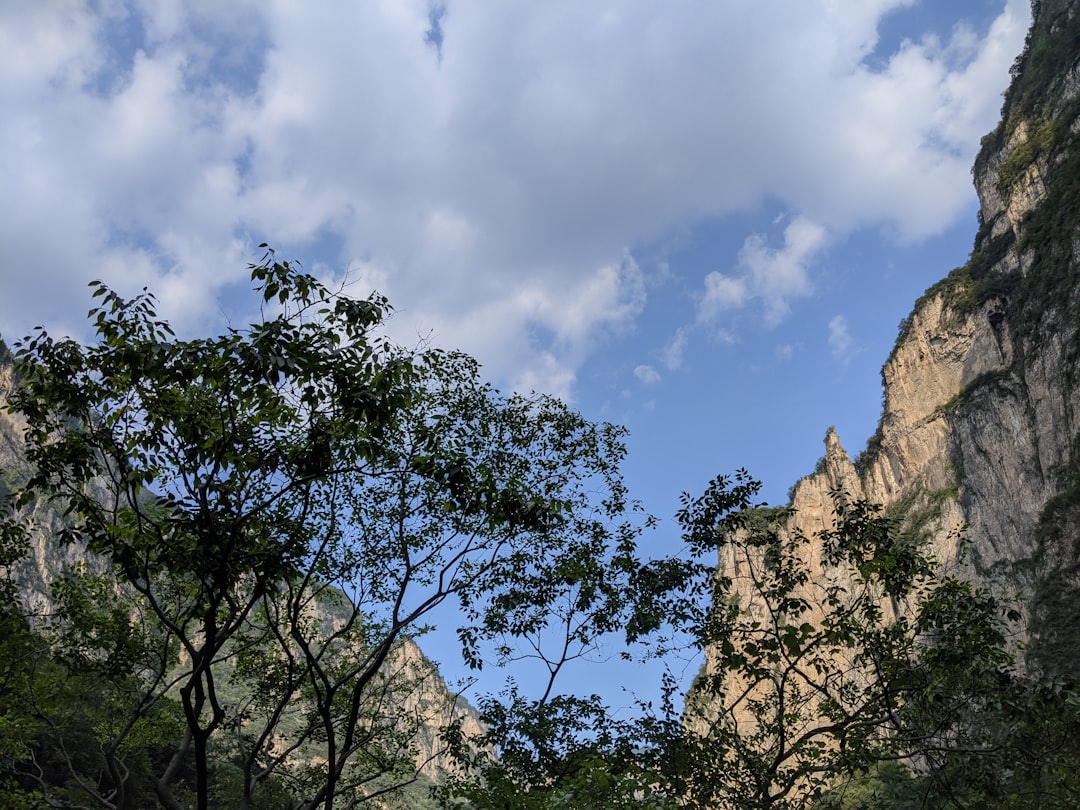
(492, 169)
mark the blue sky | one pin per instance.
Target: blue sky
(701, 220)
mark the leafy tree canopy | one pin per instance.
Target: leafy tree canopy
(284, 506)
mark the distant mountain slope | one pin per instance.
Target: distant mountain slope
(46, 558)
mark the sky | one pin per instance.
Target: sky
(701, 220)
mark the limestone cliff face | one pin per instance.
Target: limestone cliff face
(46, 557)
(981, 418)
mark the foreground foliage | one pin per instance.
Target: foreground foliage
(274, 513)
(848, 669)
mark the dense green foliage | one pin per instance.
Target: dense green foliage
(273, 514)
(1051, 47)
(1036, 102)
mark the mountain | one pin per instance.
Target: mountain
(928, 654)
(46, 557)
(980, 426)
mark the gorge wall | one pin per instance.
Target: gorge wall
(980, 425)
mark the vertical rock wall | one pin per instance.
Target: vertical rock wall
(981, 418)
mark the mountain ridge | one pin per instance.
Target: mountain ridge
(980, 424)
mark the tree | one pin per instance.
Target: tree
(58, 737)
(821, 650)
(849, 664)
(281, 508)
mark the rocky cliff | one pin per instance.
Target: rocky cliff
(981, 417)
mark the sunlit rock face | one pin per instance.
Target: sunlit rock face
(47, 558)
(980, 425)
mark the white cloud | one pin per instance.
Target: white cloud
(964, 118)
(647, 374)
(901, 138)
(772, 275)
(785, 351)
(781, 274)
(840, 340)
(496, 190)
(721, 293)
(675, 350)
